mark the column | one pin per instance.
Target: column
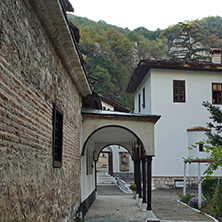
(136, 178)
(144, 204)
(150, 216)
(149, 182)
(139, 184)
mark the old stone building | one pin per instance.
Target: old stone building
(40, 70)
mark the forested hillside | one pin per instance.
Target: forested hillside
(112, 53)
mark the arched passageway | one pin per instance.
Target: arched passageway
(117, 161)
(135, 132)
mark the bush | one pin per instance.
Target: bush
(193, 202)
(133, 187)
(214, 200)
(185, 198)
(208, 187)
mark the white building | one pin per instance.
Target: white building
(176, 92)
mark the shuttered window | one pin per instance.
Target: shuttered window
(217, 93)
(179, 91)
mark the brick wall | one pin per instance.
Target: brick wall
(32, 78)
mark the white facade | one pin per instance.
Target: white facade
(117, 151)
(171, 136)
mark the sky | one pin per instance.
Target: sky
(151, 14)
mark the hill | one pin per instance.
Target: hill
(112, 53)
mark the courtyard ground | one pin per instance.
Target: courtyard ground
(112, 204)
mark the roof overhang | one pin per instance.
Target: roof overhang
(54, 21)
(145, 65)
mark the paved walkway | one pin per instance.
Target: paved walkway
(112, 204)
(167, 208)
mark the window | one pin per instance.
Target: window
(143, 97)
(200, 147)
(139, 103)
(179, 91)
(57, 136)
(217, 93)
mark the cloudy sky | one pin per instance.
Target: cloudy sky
(151, 14)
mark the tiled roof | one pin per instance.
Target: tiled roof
(198, 128)
(145, 65)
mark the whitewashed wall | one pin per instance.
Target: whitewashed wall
(87, 181)
(171, 136)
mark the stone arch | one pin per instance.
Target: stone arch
(112, 135)
(134, 132)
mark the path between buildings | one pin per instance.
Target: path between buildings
(112, 204)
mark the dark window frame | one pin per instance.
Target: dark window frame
(215, 93)
(57, 136)
(144, 103)
(177, 95)
(200, 147)
(139, 103)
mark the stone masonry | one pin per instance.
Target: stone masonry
(32, 78)
(170, 182)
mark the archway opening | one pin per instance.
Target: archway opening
(114, 167)
(135, 132)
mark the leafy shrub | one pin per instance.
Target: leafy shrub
(185, 198)
(208, 187)
(193, 202)
(214, 201)
(133, 187)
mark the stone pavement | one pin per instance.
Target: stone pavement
(167, 208)
(112, 204)
(109, 208)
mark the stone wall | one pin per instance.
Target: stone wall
(170, 182)
(32, 78)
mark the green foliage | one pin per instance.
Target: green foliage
(133, 187)
(105, 85)
(208, 187)
(118, 50)
(215, 135)
(213, 145)
(185, 198)
(190, 44)
(212, 190)
(212, 27)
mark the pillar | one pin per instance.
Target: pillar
(149, 182)
(150, 216)
(138, 177)
(134, 163)
(144, 204)
(144, 179)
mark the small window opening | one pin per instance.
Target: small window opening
(57, 136)
(144, 98)
(139, 101)
(200, 147)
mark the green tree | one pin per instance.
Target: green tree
(190, 44)
(213, 145)
(215, 135)
(105, 87)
